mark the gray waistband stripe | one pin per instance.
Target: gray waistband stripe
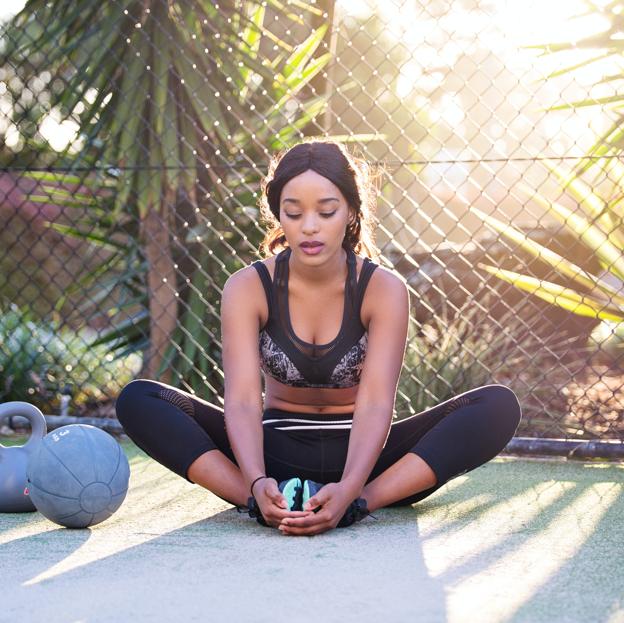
(306, 421)
(334, 427)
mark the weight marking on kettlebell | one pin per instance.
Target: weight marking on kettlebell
(56, 436)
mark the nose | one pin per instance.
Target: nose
(310, 224)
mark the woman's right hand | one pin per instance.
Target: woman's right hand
(272, 503)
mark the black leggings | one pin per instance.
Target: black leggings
(454, 437)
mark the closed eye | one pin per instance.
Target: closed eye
(324, 214)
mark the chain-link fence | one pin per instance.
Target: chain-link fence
(136, 133)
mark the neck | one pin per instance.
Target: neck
(319, 273)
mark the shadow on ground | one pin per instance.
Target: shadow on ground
(515, 540)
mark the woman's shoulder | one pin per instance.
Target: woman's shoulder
(381, 273)
(386, 283)
(243, 288)
(268, 263)
(385, 288)
(247, 276)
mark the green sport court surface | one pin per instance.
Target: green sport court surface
(516, 540)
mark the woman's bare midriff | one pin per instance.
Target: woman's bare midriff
(308, 399)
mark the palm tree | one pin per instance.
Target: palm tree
(174, 100)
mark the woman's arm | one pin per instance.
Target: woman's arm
(244, 431)
(240, 323)
(387, 337)
(241, 367)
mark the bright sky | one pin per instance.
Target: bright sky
(513, 25)
(8, 8)
(508, 81)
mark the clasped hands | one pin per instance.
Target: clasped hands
(321, 512)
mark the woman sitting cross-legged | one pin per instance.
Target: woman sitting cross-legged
(326, 326)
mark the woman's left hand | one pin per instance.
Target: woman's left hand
(333, 499)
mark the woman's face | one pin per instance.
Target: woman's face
(312, 209)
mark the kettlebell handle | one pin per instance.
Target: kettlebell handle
(31, 413)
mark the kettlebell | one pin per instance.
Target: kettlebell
(14, 460)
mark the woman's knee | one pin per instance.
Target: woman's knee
(505, 406)
(129, 401)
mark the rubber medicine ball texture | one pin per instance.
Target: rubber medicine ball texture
(78, 476)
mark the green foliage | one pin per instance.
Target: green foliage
(37, 359)
(609, 337)
(598, 221)
(606, 45)
(451, 355)
(199, 93)
(166, 84)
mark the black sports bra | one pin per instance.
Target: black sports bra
(294, 362)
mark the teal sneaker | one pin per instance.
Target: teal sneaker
(310, 489)
(292, 490)
(356, 511)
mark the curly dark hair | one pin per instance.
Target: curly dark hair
(331, 160)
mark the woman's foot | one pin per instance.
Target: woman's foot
(356, 511)
(292, 490)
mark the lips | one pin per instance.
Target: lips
(311, 245)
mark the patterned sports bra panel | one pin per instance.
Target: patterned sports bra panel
(290, 360)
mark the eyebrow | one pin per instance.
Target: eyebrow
(296, 201)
